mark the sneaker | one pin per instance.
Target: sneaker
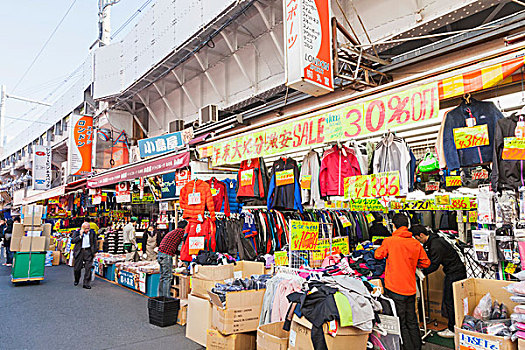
(8, 264)
(446, 333)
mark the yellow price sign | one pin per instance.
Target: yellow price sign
(281, 258)
(474, 136)
(306, 182)
(453, 181)
(374, 185)
(284, 177)
(513, 149)
(339, 246)
(304, 235)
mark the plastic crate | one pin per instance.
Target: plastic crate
(163, 311)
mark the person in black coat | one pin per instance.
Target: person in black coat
(85, 241)
(443, 253)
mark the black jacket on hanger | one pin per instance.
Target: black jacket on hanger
(506, 174)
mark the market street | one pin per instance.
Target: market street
(44, 316)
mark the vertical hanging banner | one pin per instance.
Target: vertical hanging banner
(123, 193)
(80, 145)
(308, 46)
(42, 168)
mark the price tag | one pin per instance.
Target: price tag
(306, 182)
(475, 136)
(443, 199)
(479, 174)
(519, 132)
(374, 185)
(473, 216)
(194, 198)
(304, 235)
(511, 268)
(214, 191)
(281, 258)
(247, 177)
(195, 244)
(344, 221)
(453, 181)
(370, 218)
(284, 177)
(431, 186)
(513, 149)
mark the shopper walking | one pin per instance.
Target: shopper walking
(403, 255)
(8, 234)
(2, 236)
(130, 239)
(443, 253)
(85, 241)
(169, 246)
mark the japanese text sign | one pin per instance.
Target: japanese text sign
(453, 181)
(42, 168)
(308, 45)
(474, 136)
(339, 245)
(352, 120)
(80, 145)
(304, 235)
(513, 149)
(373, 185)
(165, 143)
(281, 258)
(284, 177)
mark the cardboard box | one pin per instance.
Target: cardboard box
(272, 336)
(347, 337)
(467, 294)
(242, 341)
(33, 209)
(200, 287)
(33, 244)
(521, 344)
(199, 319)
(240, 313)
(245, 269)
(182, 317)
(213, 272)
(56, 258)
(30, 221)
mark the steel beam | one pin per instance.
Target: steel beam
(151, 113)
(208, 75)
(181, 83)
(236, 58)
(270, 29)
(165, 100)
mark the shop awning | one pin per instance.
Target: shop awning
(76, 185)
(54, 192)
(150, 167)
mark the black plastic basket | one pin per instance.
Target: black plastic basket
(163, 311)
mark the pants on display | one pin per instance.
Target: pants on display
(166, 273)
(83, 260)
(406, 311)
(447, 305)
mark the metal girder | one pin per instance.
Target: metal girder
(494, 12)
(165, 100)
(181, 83)
(135, 118)
(236, 58)
(208, 75)
(151, 113)
(272, 33)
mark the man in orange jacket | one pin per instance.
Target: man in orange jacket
(403, 255)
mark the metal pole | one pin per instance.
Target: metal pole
(3, 96)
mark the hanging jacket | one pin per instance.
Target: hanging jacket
(439, 144)
(284, 196)
(506, 174)
(219, 193)
(252, 181)
(336, 165)
(195, 212)
(235, 207)
(392, 154)
(194, 229)
(311, 166)
(403, 255)
(484, 113)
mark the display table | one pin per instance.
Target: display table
(28, 267)
(146, 283)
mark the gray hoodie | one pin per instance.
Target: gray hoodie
(311, 167)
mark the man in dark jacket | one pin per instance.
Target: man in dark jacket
(85, 241)
(443, 253)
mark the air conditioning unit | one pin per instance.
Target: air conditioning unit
(208, 114)
(177, 125)
(63, 172)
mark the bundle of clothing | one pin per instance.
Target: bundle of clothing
(255, 282)
(275, 305)
(518, 317)
(489, 317)
(210, 258)
(342, 298)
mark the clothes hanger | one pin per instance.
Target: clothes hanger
(467, 98)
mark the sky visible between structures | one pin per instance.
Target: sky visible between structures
(25, 25)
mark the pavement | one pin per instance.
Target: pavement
(57, 315)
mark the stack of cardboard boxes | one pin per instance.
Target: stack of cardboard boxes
(31, 235)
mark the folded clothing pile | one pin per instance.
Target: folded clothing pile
(518, 317)
(256, 282)
(489, 318)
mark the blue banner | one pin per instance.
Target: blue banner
(162, 144)
(168, 189)
(127, 279)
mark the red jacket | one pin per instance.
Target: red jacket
(206, 230)
(403, 255)
(335, 166)
(220, 194)
(191, 212)
(252, 180)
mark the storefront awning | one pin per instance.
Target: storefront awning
(144, 168)
(54, 192)
(76, 185)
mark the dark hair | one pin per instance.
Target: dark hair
(16, 219)
(418, 230)
(400, 220)
(182, 224)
